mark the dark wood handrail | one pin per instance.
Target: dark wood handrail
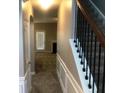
(99, 33)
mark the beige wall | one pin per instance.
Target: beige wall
(50, 30)
(26, 13)
(64, 33)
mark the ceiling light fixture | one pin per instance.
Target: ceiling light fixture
(45, 4)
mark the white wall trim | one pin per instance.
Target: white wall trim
(61, 83)
(24, 78)
(25, 82)
(68, 76)
(22, 86)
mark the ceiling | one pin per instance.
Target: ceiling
(41, 15)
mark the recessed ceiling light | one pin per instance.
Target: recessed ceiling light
(46, 4)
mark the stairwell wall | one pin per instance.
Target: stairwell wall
(64, 33)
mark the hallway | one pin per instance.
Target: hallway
(77, 34)
(45, 80)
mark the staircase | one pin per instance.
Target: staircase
(89, 40)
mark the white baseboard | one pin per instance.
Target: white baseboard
(69, 79)
(61, 83)
(22, 86)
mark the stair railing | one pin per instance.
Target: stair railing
(89, 40)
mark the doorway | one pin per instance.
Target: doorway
(54, 47)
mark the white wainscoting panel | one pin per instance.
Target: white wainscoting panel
(67, 81)
(25, 82)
